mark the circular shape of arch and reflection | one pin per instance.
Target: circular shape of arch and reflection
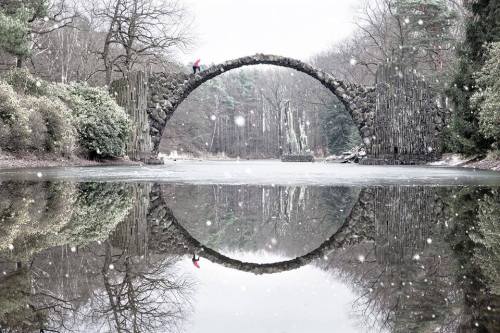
(168, 91)
(172, 232)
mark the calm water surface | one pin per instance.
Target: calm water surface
(249, 247)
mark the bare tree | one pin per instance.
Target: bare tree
(140, 32)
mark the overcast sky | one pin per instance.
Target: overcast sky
(227, 29)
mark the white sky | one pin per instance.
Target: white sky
(227, 29)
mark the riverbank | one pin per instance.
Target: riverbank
(485, 164)
(15, 161)
(29, 160)
(490, 162)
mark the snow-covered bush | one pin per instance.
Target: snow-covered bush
(15, 132)
(56, 118)
(103, 126)
(36, 124)
(38, 116)
(24, 83)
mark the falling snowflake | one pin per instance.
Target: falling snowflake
(11, 247)
(209, 223)
(407, 20)
(39, 174)
(73, 249)
(353, 62)
(213, 117)
(274, 241)
(239, 121)
(420, 22)
(416, 257)
(111, 266)
(361, 258)
(429, 241)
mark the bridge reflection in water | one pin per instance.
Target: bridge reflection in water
(403, 249)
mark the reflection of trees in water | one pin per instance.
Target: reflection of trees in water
(289, 220)
(474, 240)
(110, 288)
(142, 295)
(405, 282)
(99, 288)
(410, 277)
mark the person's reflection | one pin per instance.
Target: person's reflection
(196, 260)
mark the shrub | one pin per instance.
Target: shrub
(56, 118)
(102, 125)
(37, 131)
(52, 117)
(15, 131)
(24, 83)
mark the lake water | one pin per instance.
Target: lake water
(250, 246)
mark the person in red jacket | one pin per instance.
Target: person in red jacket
(196, 66)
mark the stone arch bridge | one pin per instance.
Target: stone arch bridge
(398, 119)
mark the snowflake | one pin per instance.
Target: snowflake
(239, 121)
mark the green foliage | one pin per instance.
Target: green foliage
(103, 126)
(16, 20)
(482, 27)
(15, 31)
(24, 83)
(56, 118)
(38, 116)
(29, 123)
(487, 99)
(15, 131)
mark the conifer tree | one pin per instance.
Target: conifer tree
(482, 28)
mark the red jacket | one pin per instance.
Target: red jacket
(197, 63)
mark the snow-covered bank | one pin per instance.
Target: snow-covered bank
(11, 161)
(489, 162)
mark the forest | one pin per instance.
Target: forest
(452, 44)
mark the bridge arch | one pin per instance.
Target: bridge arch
(167, 91)
(168, 234)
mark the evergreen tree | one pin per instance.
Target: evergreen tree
(482, 27)
(16, 21)
(487, 99)
(422, 32)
